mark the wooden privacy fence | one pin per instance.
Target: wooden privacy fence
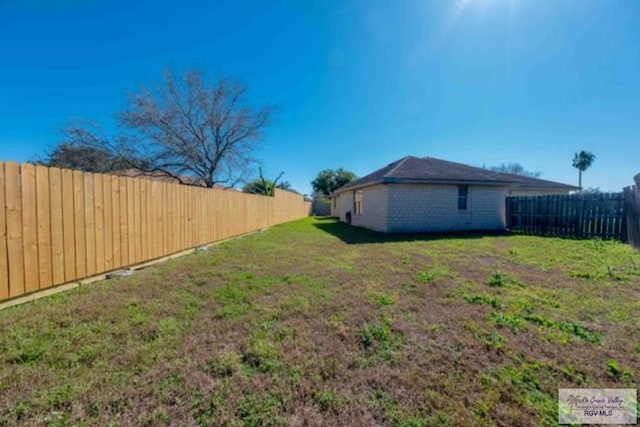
(575, 215)
(59, 225)
(632, 198)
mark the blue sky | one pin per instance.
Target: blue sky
(358, 83)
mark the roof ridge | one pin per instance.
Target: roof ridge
(399, 163)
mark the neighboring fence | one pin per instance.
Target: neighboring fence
(632, 198)
(321, 206)
(58, 225)
(576, 215)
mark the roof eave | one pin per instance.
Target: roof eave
(511, 184)
(358, 186)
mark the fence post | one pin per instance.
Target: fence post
(579, 216)
(632, 199)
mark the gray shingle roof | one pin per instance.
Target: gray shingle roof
(435, 171)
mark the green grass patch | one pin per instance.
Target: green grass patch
(497, 280)
(381, 339)
(382, 299)
(530, 384)
(482, 299)
(492, 340)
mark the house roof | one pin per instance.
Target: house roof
(427, 170)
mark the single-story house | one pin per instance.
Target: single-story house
(425, 194)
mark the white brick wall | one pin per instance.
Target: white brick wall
(435, 208)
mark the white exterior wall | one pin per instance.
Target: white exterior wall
(343, 203)
(334, 205)
(374, 207)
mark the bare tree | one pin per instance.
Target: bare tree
(187, 128)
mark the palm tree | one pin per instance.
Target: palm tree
(582, 161)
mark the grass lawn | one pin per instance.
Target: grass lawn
(314, 322)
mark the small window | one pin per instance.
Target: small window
(358, 203)
(463, 193)
(335, 202)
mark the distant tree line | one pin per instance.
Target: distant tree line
(514, 168)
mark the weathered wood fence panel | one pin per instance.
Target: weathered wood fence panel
(15, 248)
(632, 197)
(575, 215)
(59, 226)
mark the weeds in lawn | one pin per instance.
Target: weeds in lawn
(582, 275)
(482, 299)
(167, 388)
(222, 365)
(392, 412)
(426, 276)
(256, 410)
(382, 299)
(528, 384)
(614, 370)
(516, 313)
(492, 340)
(437, 272)
(327, 400)
(577, 329)
(515, 322)
(214, 410)
(294, 304)
(329, 368)
(408, 286)
(571, 327)
(260, 355)
(497, 280)
(381, 340)
(573, 374)
(27, 350)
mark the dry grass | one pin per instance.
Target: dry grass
(317, 323)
